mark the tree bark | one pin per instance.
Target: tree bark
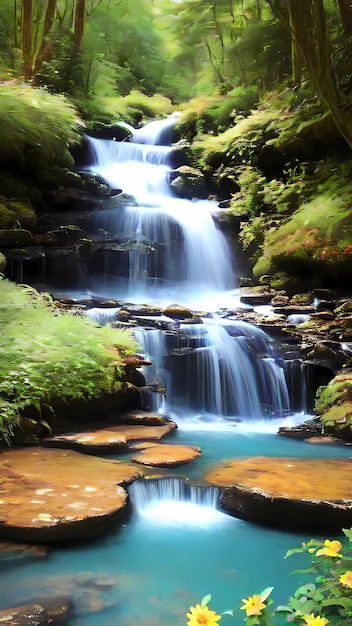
(345, 7)
(308, 28)
(46, 47)
(27, 34)
(78, 19)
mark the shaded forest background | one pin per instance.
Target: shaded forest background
(100, 50)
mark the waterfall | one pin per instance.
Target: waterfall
(173, 501)
(217, 369)
(157, 243)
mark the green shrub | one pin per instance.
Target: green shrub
(219, 115)
(46, 355)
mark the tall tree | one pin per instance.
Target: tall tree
(27, 37)
(308, 28)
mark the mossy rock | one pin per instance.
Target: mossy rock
(13, 186)
(334, 405)
(24, 214)
(15, 237)
(7, 217)
(3, 262)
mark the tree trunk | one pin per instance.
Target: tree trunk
(27, 48)
(345, 7)
(46, 47)
(78, 19)
(308, 28)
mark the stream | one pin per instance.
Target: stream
(227, 386)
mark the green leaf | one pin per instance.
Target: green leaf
(282, 608)
(205, 600)
(345, 602)
(305, 590)
(266, 593)
(229, 612)
(348, 533)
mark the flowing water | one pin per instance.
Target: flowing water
(228, 388)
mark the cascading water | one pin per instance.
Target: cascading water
(171, 501)
(173, 252)
(172, 244)
(217, 369)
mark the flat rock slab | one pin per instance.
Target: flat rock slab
(164, 455)
(58, 495)
(111, 439)
(288, 493)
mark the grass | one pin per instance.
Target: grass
(34, 119)
(46, 355)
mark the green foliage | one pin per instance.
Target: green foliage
(325, 597)
(137, 105)
(36, 124)
(219, 115)
(46, 355)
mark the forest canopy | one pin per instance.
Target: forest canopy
(93, 49)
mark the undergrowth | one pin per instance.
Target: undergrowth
(46, 355)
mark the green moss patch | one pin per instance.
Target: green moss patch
(47, 355)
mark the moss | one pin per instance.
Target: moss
(24, 214)
(7, 217)
(15, 237)
(49, 356)
(2, 262)
(334, 405)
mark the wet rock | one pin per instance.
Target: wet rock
(164, 455)
(188, 182)
(16, 237)
(175, 311)
(145, 418)
(27, 615)
(43, 499)
(111, 439)
(303, 431)
(256, 298)
(294, 309)
(14, 551)
(58, 608)
(288, 493)
(328, 354)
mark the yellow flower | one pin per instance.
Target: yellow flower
(346, 579)
(202, 615)
(332, 548)
(253, 605)
(312, 620)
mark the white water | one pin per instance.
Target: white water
(176, 252)
(171, 502)
(216, 371)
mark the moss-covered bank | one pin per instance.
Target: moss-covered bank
(52, 358)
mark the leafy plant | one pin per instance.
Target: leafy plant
(324, 599)
(46, 355)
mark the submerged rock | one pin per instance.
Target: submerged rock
(287, 493)
(27, 615)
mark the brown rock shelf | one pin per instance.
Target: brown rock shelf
(288, 493)
(55, 495)
(164, 455)
(111, 439)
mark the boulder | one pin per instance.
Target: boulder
(295, 494)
